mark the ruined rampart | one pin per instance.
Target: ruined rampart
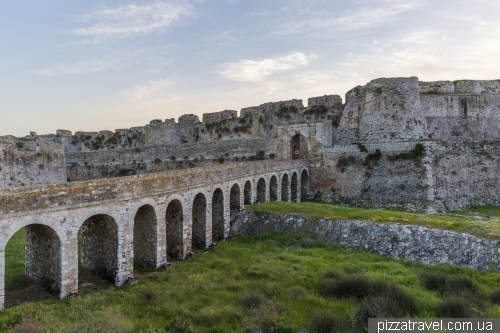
(88, 165)
(31, 163)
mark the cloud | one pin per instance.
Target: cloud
(254, 71)
(130, 20)
(83, 67)
(361, 18)
(140, 92)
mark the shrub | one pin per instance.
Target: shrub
(345, 161)
(454, 308)
(495, 296)
(346, 287)
(326, 323)
(250, 300)
(444, 284)
(373, 157)
(362, 148)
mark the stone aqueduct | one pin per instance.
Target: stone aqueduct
(146, 218)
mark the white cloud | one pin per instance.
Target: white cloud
(140, 92)
(257, 70)
(129, 20)
(361, 18)
(83, 67)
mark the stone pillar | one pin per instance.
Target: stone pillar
(161, 238)
(268, 189)
(187, 225)
(299, 183)
(242, 196)
(2, 277)
(209, 222)
(227, 213)
(69, 266)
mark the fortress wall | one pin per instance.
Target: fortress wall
(474, 117)
(141, 160)
(450, 174)
(29, 163)
(466, 172)
(384, 110)
(350, 175)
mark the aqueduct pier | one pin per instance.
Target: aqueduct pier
(146, 219)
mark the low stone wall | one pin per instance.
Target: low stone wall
(408, 242)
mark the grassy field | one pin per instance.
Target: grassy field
(280, 282)
(14, 263)
(463, 221)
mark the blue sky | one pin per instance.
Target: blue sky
(94, 65)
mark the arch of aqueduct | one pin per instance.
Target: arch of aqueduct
(146, 218)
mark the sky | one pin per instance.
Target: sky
(95, 65)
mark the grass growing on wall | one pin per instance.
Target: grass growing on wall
(455, 222)
(281, 282)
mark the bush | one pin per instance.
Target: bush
(495, 296)
(454, 308)
(250, 300)
(345, 161)
(326, 323)
(346, 287)
(373, 157)
(444, 284)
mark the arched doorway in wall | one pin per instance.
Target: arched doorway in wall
(234, 201)
(247, 193)
(304, 185)
(217, 216)
(199, 240)
(273, 189)
(294, 187)
(99, 247)
(145, 237)
(261, 191)
(32, 256)
(285, 186)
(299, 147)
(175, 220)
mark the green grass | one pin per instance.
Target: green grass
(459, 221)
(14, 263)
(278, 282)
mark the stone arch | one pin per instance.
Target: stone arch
(299, 147)
(99, 246)
(285, 186)
(273, 188)
(294, 187)
(217, 215)
(145, 236)
(261, 190)
(42, 256)
(174, 217)
(199, 215)
(234, 200)
(304, 185)
(247, 192)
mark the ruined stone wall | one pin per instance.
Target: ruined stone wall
(450, 174)
(472, 117)
(466, 173)
(385, 110)
(132, 161)
(30, 163)
(361, 175)
(400, 241)
(477, 86)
